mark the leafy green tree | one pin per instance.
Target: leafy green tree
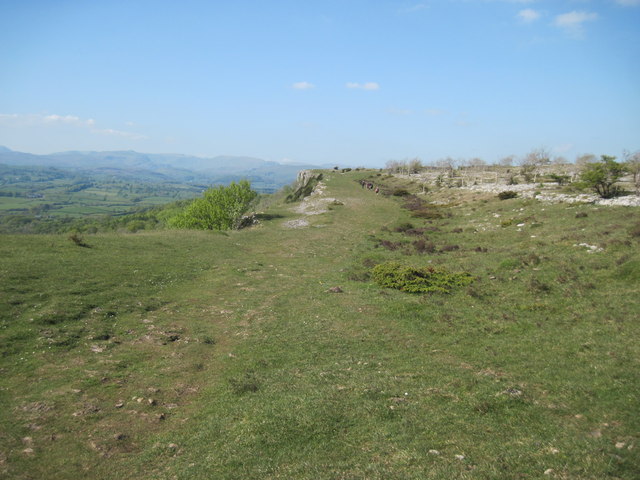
(603, 175)
(220, 208)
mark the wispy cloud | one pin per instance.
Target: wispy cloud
(302, 85)
(434, 112)
(68, 120)
(363, 86)
(403, 112)
(25, 120)
(528, 15)
(119, 133)
(414, 8)
(34, 119)
(572, 22)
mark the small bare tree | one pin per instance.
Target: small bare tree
(632, 163)
(448, 165)
(393, 166)
(585, 158)
(533, 163)
(415, 165)
(507, 161)
(478, 163)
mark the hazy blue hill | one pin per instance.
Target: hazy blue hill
(177, 167)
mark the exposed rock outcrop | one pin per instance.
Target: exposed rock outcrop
(305, 183)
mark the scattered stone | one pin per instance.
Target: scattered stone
(335, 290)
(120, 436)
(299, 223)
(97, 349)
(548, 471)
(120, 404)
(595, 434)
(152, 402)
(460, 457)
(173, 446)
(553, 451)
(620, 445)
(434, 452)
(590, 248)
(513, 392)
(29, 440)
(28, 451)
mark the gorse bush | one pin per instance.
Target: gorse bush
(507, 195)
(418, 280)
(220, 208)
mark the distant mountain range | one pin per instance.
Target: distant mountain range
(265, 175)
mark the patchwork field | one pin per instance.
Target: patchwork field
(270, 352)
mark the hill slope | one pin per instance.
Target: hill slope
(220, 169)
(202, 355)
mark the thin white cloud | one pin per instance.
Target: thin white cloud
(414, 8)
(67, 120)
(26, 120)
(572, 22)
(403, 112)
(119, 133)
(33, 119)
(528, 15)
(302, 85)
(363, 86)
(434, 112)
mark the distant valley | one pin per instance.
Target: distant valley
(265, 176)
(50, 193)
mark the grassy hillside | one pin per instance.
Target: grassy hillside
(197, 355)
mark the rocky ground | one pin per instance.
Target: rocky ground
(548, 193)
(314, 204)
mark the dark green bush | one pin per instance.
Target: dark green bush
(403, 227)
(507, 195)
(418, 280)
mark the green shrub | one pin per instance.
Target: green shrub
(403, 227)
(418, 280)
(559, 179)
(507, 195)
(602, 176)
(78, 240)
(220, 208)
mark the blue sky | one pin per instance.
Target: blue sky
(346, 82)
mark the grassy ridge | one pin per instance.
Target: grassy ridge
(226, 356)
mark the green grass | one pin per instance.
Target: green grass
(256, 370)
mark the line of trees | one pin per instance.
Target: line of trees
(600, 175)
